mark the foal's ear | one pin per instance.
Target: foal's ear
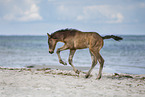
(48, 35)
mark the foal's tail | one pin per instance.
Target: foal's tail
(117, 38)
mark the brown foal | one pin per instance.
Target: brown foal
(74, 39)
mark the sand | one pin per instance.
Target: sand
(65, 83)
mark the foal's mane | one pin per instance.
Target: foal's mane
(63, 32)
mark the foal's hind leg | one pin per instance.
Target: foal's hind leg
(70, 60)
(94, 62)
(101, 61)
(58, 53)
(98, 57)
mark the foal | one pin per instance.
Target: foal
(74, 39)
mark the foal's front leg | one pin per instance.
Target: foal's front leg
(70, 60)
(58, 53)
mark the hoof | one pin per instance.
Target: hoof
(64, 63)
(78, 72)
(87, 76)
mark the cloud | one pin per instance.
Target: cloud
(67, 12)
(101, 13)
(142, 5)
(31, 14)
(116, 18)
(26, 10)
(89, 13)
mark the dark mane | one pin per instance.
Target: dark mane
(62, 32)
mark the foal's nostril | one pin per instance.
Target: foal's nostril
(51, 52)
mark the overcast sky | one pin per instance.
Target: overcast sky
(37, 17)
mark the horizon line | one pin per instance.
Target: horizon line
(46, 34)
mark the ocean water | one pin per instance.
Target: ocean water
(126, 56)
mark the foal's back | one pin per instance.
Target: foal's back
(80, 40)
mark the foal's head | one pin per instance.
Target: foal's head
(52, 43)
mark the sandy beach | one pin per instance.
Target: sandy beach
(26, 82)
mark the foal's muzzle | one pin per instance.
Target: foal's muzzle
(51, 52)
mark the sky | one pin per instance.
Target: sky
(38, 17)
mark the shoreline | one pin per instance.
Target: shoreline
(68, 67)
(48, 82)
(58, 69)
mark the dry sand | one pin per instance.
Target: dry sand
(65, 83)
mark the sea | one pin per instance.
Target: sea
(126, 56)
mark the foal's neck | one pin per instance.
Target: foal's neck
(59, 36)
